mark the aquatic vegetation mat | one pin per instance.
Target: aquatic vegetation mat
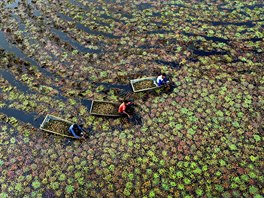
(204, 138)
(144, 84)
(104, 108)
(57, 126)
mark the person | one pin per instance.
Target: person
(162, 80)
(77, 131)
(122, 110)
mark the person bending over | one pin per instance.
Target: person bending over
(122, 110)
(162, 80)
(77, 131)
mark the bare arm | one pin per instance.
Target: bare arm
(127, 114)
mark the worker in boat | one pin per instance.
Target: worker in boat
(122, 110)
(162, 80)
(77, 131)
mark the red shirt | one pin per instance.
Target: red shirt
(122, 108)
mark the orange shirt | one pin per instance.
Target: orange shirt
(122, 108)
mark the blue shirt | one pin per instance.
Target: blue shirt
(73, 132)
(161, 81)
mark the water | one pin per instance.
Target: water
(24, 88)
(31, 118)
(8, 47)
(208, 53)
(223, 23)
(12, 5)
(126, 88)
(16, 83)
(174, 65)
(86, 29)
(210, 38)
(64, 37)
(86, 103)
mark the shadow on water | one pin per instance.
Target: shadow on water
(86, 103)
(210, 38)
(144, 6)
(126, 88)
(208, 53)
(31, 118)
(248, 23)
(252, 7)
(159, 32)
(173, 65)
(4, 44)
(15, 83)
(86, 29)
(105, 16)
(136, 119)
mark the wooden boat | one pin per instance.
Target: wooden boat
(62, 129)
(153, 84)
(104, 108)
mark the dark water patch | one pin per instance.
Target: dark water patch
(253, 39)
(159, 31)
(210, 38)
(222, 7)
(173, 65)
(105, 16)
(252, 7)
(245, 71)
(157, 14)
(23, 88)
(108, 86)
(36, 12)
(64, 37)
(144, 6)
(86, 103)
(136, 119)
(208, 53)
(176, 5)
(7, 46)
(149, 47)
(22, 116)
(80, 5)
(22, 27)
(65, 17)
(249, 24)
(15, 83)
(86, 29)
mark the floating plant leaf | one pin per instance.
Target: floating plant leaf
(69, 189)
(232, 147)
(36, 184)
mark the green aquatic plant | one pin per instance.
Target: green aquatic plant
(232, 147)
(19, 187)
(152, 194)
(62, 177)
(186, 180)
(257, 138)
(69, 189)
(36, 184)
(180, 186)
(1, 162)
(3, 195)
